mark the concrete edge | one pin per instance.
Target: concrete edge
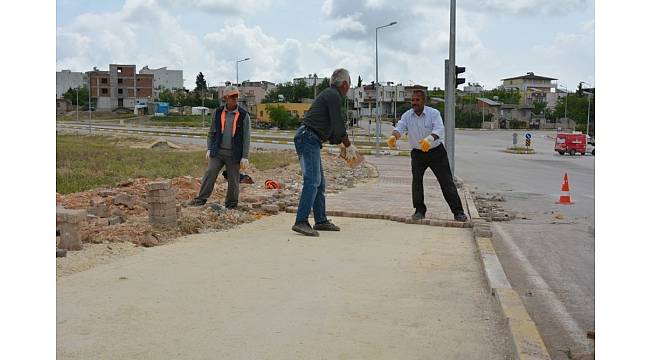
(402, 219)
(526, 340)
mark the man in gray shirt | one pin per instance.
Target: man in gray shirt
(228, 145)
(323, 122)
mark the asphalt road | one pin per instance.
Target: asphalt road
(548, 250)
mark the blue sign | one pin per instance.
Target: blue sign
(529, 136)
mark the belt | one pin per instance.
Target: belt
(437, 147)
(313, 132)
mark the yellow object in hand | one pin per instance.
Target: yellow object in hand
(392, 142)
(427, 143)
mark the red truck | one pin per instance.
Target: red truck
(571, 143)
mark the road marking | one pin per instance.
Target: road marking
(555, 307)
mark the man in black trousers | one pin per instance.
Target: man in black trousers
(425, 130)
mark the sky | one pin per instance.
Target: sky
(495, 39)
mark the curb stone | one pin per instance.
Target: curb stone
(526, 340)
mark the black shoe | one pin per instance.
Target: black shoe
(197, 202)
(304, 228)
(417, 216)
(326, 226)
(460, 217)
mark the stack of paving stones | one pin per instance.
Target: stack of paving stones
(67, 221)
(161, 202)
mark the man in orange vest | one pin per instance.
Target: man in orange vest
(228, 144)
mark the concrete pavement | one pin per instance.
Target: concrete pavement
(376, 290)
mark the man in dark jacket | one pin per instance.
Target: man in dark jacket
(323, 122)
(228, 144)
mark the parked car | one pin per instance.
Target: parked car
(571, 143)
(591, 147)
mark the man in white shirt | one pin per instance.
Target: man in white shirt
(425, 130)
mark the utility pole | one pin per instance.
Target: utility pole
(77, 103)
(588, 104)
(450, 88)
(203, 106)
(378, 127)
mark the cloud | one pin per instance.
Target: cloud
(528, 7)
(271, 59)
(143, 33)
(350, 27)
(569, 51)
(221, 6)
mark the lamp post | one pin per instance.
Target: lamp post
(77, 103)
(378, 127)
(566, 99)
(588, 105)
(237, 65)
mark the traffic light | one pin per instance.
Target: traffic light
(459, 70)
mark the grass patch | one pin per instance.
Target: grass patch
(180, 120)
(83, 116)
(271, 160)
(85, 162)
(520, 150)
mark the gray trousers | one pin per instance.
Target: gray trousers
(212, 172)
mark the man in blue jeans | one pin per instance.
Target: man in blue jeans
(323, 122)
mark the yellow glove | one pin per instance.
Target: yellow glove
(427, 143)
(392, 142)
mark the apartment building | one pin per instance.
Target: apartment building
(164, 78)
(390, 97)
(120, 87)
(533, 88)
(66, 79)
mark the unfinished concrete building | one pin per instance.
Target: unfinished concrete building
(120, 87)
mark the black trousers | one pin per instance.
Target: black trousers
(435, 159)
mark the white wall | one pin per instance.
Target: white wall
(67, 79)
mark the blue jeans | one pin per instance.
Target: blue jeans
(308, 147)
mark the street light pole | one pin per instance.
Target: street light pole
(588, 105)
(77, 103)
(378, 125)
(237, 65)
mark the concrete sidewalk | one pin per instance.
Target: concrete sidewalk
(376, 290)
(390, 194)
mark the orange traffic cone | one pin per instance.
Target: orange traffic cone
(565, 198)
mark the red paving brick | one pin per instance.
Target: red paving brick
(389, 196)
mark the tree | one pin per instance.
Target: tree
(505, 96)
(323, 85)
(539, 107)
(200, 82)
(71, 95)
(576, 109)
(281, 117)
(291, 92)
(359, 81)
(167, 96)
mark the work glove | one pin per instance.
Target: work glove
(392, 142)
(351, 153)
(243, 164)
(207, 155)
(427, 143)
